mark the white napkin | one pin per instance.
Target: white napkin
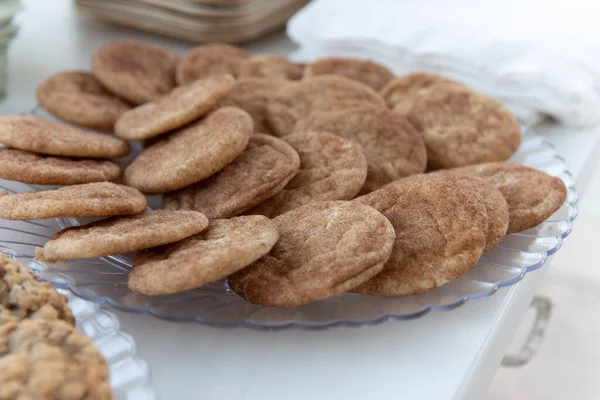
(539, 57)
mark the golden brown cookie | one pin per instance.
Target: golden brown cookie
(259, 173)
(532, 195)
(24, 296)
(39, 336)
(181, 106)
(367, 72)
(101, 199)
(55, 376)
(461, 127)
(297, 100)
(394, 149)
(495, 207)
(399, 92)
(441, 228)
(47, 137)
(331, 168)
(23, 166)
(209, 59)
(77, 97)
(192, 154)
(138, 72)
(224, 248)
(252, 96)
(119, 235)
(326, 248)
(269, 66)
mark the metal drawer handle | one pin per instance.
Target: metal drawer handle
(543, 309)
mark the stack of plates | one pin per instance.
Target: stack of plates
(197, 20)
(8, 30)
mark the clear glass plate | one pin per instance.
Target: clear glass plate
(104, 280)
(129, 373)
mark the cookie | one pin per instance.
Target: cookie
(259, 173)
(47, 137)
(101, 199)
(119, 235)
(394, 149)
(325, 249)
(399, 92)
(367, 72)
(23, 166)
(57, 377)
(192, 154)
(441, 228)
(532, 195)
(138, 72)
(24, 296)
(297, 100)
(207, 60)
(224, 248)
(77, 97)
(39, 336)
(331, 168)
(183, 105)
(269, 66)
(252, 96)
(461, 127)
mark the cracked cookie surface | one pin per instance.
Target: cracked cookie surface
(120, 235)
(392, 146)
(227, 246)
(441, 228)
(331, 168)
(325, 249)
(24, 166)
(100, 199)
(532, 195)
(78, 97)
(260, 172)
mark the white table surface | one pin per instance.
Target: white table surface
(450, 355)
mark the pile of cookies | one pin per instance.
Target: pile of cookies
(295, 182)
(42, 354)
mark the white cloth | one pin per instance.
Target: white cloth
(539, 57)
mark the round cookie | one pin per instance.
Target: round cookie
(259, 173)
(24, 296)
(297, 100)
(55, 376)
(461, 127)
(207, 60)
(77, 97)
(367, 72)
(394, 149)
(38, 135)
(325, 249)
(119, 235)
(23, 166)
(252, 96)
(192, 154)
(224, 248)
(101, 199)
(495, 207)
(399, 92)
(532, 195)
(269, 66)
(441, 228)
(183, 105)
(331, 168)
(138, 72)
